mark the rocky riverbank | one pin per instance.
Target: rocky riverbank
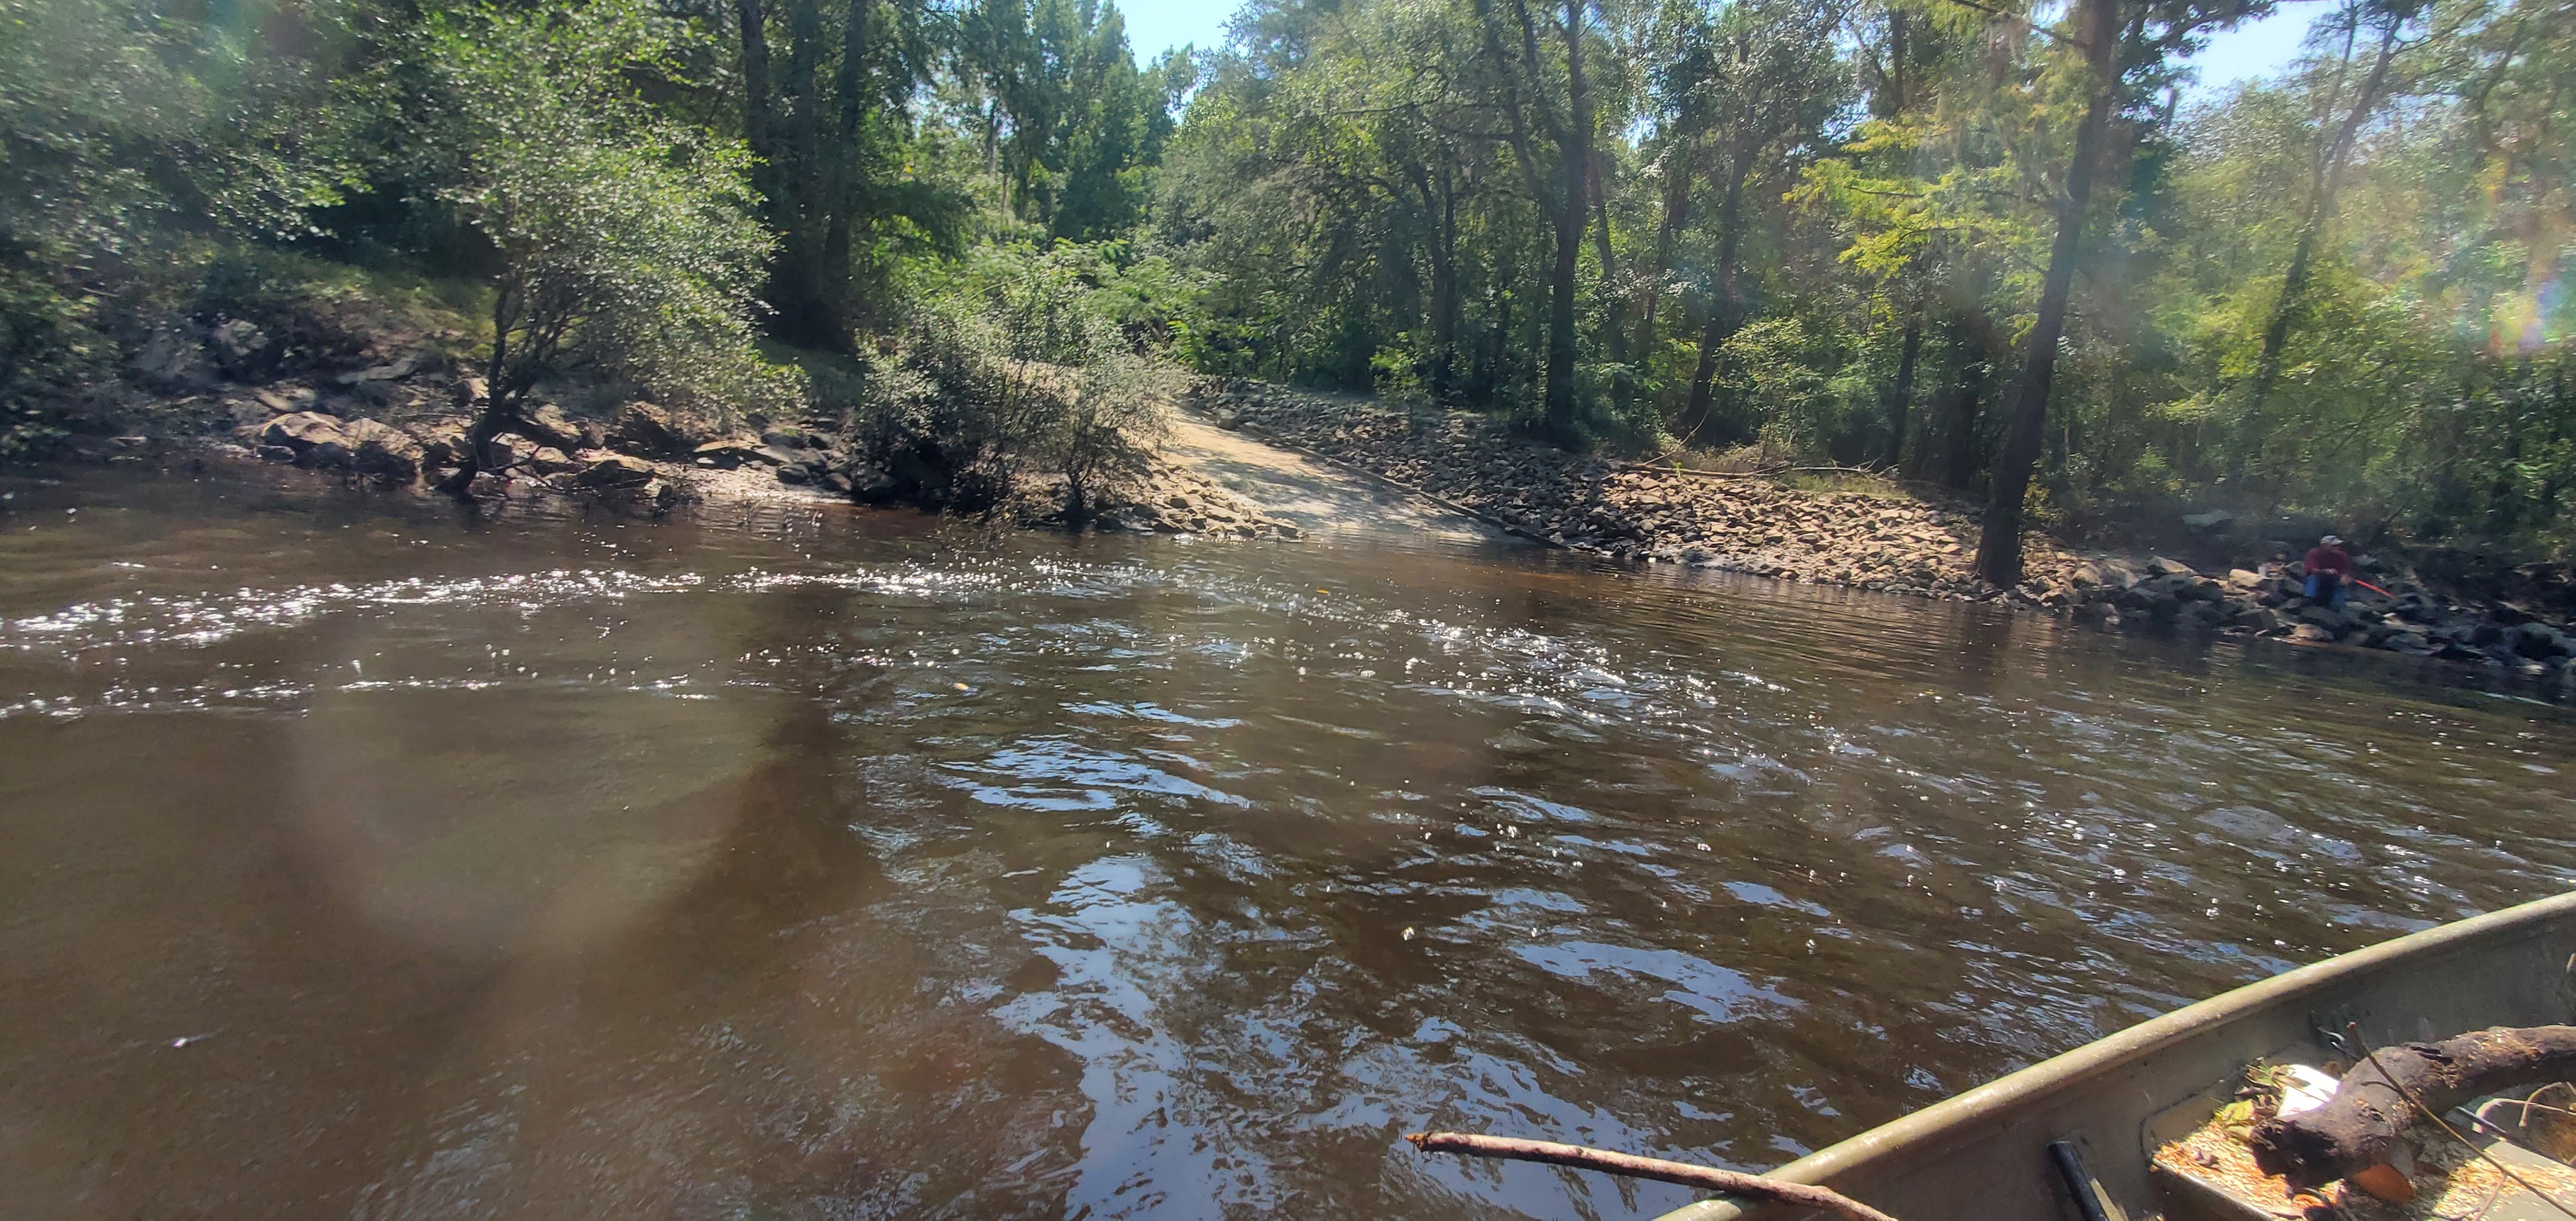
(397, 419)
(1891, 540)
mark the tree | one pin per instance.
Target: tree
(624, 239)
(2386, 19)
(125, 132)
(1071, 126)
(1556, 175)
(1751, 86)
(833, 131)
(2120, 45)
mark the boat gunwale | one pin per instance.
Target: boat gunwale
(1922, 1132)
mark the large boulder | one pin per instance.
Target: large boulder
(442, 442)
(512, 450)
(282, 400)
(361, 432)
(2106, 572)
(867, 484)
(646, 429)
(615, 471)
(549, 426)
(2411, 643)
(242, 351)
(2539, 641)
(382, 451)
(391, 371)
(2151, 598)
(172, 358)
(728, 453)
(303, 430)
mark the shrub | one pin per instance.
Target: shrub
(48, 351)
(625, 238)
(1023, 362)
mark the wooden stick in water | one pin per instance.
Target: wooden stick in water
(1730, 1182)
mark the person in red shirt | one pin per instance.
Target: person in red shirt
(2329, 571)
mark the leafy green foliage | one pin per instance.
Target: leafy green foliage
(1350, 181)
(1069, 122)
(48, 353)
(1022, 361)
(1817, 227)
(127, 137)
(624, 237)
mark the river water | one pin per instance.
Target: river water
(810, 863)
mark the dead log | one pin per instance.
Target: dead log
(1730, 1182)
(2376, 1102)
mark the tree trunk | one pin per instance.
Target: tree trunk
(1614, 309)
(1562, 200)
(500, 400)
(1726, 310)
(1560, 323)
(1573, 153)
(756, 120)
(1960, 434)
(838, 317)
(1900, 397)
(2376, 1102)
(760, 132)
(1441, 205)
(1677, 184)
(805, 117)
(1999, 549)
(1897, 51)
(2322, 186)
(802, 208)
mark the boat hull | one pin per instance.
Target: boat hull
(1984, 1153)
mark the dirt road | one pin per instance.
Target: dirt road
(1314, 497)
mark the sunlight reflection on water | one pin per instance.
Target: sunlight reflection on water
(852, 864)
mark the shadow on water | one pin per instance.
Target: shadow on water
(834, 864)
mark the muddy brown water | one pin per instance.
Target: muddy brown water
(808, 863)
